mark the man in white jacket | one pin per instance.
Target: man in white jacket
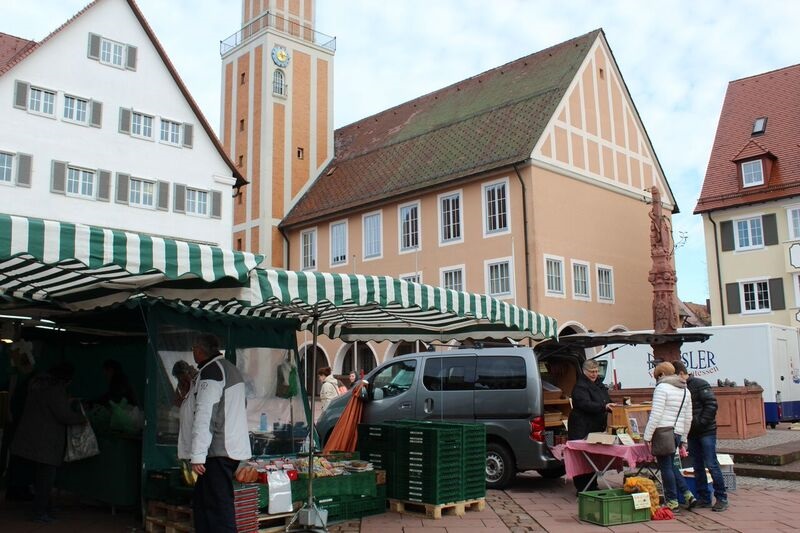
(214, 435)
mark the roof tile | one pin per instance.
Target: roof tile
(482, 123)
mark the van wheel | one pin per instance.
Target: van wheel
(500, 468)
(552, 473)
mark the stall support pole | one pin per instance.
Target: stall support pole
(310, 517)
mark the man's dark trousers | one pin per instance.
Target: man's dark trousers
(213, 497)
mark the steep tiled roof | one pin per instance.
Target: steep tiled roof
(11, 47)
(775, 95)
(485, 122)
(10, 62)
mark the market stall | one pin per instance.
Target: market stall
(84, 280)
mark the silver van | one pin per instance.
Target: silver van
(500, 387)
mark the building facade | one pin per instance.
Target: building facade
(99, 129)
(750, 203)
(529, 182)
(277, 116)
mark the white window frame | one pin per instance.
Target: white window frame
(41, 102)
(140, 202)
(411, 277)
(364, 217)
(82, 171)
(179, 127)
(745, 173)
(601, 299)
(195, 212)
(331, 243)
(794, 233)
(450, 269)
(575, 295)
(279, 87)
(749, 220)
(485, 207)
(11, 166)
(400, 229)
(754, 282)
(152, 125)
(457, 240)
(487, 265)
(796, 284)
(308, 250)
(110, 60)
(76, 99)
(556, 260)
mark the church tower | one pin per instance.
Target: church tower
(277, 116)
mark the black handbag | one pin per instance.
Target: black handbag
(663, 441)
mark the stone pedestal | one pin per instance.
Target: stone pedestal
(740, 412)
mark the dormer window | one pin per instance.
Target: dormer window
(759, 126)
(752, 173)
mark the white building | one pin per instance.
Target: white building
(98, 128)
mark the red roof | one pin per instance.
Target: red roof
(8, 62)
(776, 96)
(11, 47)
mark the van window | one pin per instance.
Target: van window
(449, 373)
(395, 379)
(496, 373)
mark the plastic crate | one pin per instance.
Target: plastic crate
(337, 510)
(609, 508)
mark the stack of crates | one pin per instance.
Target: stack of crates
(428, 462)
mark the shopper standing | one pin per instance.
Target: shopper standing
(703, 440)
(41, 436)
(217, 436)
(590, 406)
(672, 408)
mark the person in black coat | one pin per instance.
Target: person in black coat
(590, 405)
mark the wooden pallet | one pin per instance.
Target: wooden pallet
(273, 523)
(161, 525)
(434, 510)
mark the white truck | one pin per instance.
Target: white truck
(768, 354)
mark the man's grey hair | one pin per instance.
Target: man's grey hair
(208, 343)
(590, 364)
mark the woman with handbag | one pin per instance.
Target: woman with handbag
(667, 429)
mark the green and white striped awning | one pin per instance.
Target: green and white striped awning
(59, 262)
(71, 267)
(353, 307)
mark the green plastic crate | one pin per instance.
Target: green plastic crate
(610, 508)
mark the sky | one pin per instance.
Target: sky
(676, 57)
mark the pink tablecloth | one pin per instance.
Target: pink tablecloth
(576, 463)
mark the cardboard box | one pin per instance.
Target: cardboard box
(602, 438)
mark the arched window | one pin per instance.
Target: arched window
(279, 83)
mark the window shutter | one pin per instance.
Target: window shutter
(94, 46)
(216, 204)
(776, 300)
(130, 62)
(58, 181)
(732, 295)
(24, 170)
(20, 95)
(124, 120)
(179, 202)
(728, 242)
(163, 196)
(770, 225)
(96, 120)
(123, 181)
(187, 135)
(103, 185)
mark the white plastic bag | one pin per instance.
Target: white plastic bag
(280, 493)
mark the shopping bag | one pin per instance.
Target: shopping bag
(125, 418)
(280, 492)
(81, 443)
